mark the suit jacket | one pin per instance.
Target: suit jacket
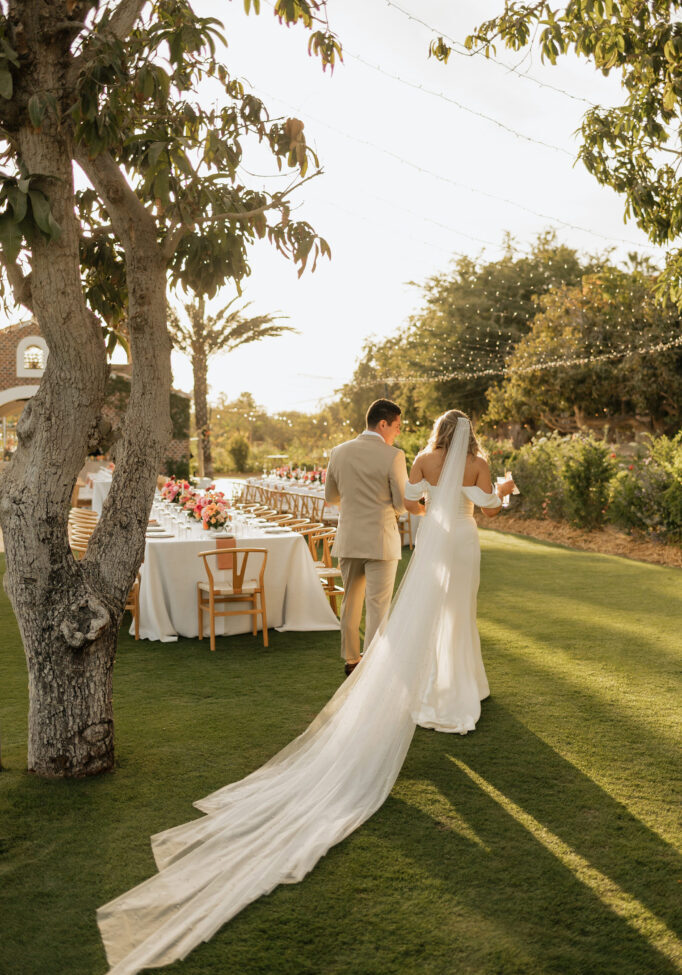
(367, 477)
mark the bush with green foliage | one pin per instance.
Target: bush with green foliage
(537, 468)
(177, 468)
(239, 449)
(587, 474)
(646, 495)
(582, 480)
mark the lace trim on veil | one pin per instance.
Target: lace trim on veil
(274, 825)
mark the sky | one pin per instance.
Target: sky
(411, 178)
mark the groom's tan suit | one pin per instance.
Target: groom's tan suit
(367, 478)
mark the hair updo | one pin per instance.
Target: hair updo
(444, 430)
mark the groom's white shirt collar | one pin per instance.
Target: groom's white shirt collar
(371, 433)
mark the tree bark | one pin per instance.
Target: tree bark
(68, 625)
(200, 374)
(199, 369)
(69, 611)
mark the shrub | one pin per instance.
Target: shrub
(239, 449)
(587, 473)
(666, 467)
(179, 469)
(648, 494)
(628, 502)
(500, 454)
(537, 469)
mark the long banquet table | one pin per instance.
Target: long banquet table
(171, 570)
(331, 511)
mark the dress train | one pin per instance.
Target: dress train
(274, 825)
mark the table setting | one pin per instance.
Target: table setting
(171, 570)
(100, 482)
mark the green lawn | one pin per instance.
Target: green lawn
(545, 842)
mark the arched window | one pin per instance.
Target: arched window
(34, 358)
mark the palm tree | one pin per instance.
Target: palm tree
(201, 336)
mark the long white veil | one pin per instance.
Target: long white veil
(274, 825)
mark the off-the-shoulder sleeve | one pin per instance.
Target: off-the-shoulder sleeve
(413, 492)
(482, 498)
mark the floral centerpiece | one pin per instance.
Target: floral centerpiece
(317, 475)
(215, 513)
(210, 509)
(301, 475)
(176, 491)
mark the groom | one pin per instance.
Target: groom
(367, 477)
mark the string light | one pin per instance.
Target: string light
(524, 370)
(452, 182)
(459, 105)
(462, 51)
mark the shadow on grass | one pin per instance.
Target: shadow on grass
(443, 880)
(456, 884)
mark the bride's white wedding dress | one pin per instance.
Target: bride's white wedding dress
(456, 684)
(424, 665)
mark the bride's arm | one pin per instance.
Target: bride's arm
(416, 475)
(484, 481)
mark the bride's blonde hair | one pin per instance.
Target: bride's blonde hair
(444, 430)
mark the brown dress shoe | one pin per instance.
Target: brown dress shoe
(349, 668)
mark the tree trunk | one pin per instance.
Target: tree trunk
(200, 370)
(69, 611)
(68, 625)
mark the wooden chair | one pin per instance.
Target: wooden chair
(298, 524)
(311, 507)
(249, 494)
(81, 525)
(81, 496)
(280, 519)
(309, 530)
(83, 516)
(233, 589)
(246, 506)
(133, 605)
(328, 573)
(292, 503)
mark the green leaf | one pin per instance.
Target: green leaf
(18, 201)
(669, 99)
(36, 110)
(43, 215)
(11, 236)
(6, 85)
(155, 151)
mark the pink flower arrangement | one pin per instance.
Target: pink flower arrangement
(176, 491)
(214, 513)
(211, 508)
(315, 476)
(170, 490)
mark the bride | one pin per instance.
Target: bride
(423, 667)
(456, 684)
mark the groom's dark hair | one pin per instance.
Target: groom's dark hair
(382, 409)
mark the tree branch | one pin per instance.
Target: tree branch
(129, 216)
(176, 234)
(20, 283)
(121, 22)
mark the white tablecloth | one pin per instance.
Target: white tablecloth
(331, 511)
(101, 485)
(294, 598)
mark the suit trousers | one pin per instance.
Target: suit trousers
(370, 581)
